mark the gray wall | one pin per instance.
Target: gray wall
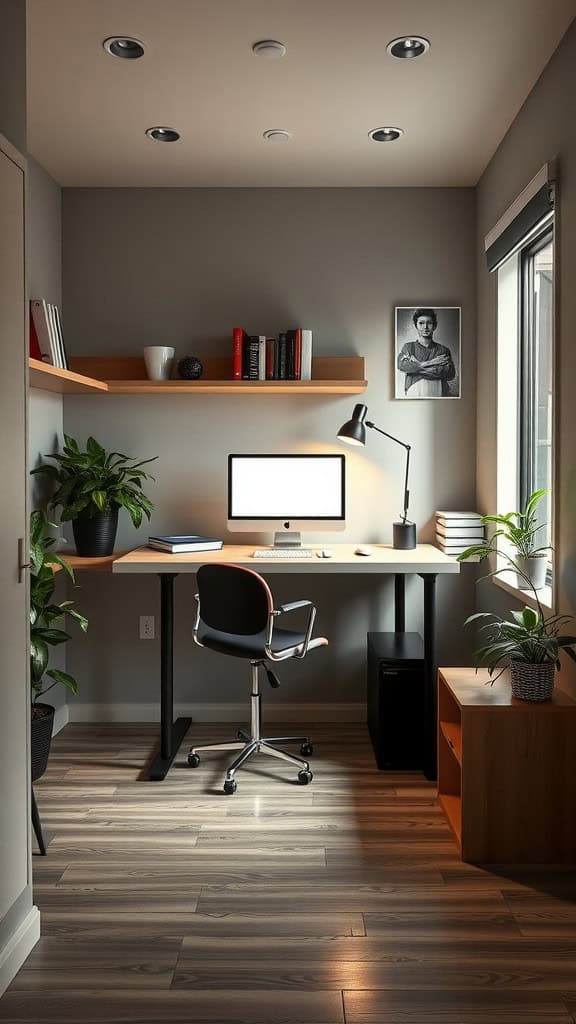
(13, 72)
(542, 130)
(45, 415)
(181, 267)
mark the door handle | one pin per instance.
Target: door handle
(22, 565)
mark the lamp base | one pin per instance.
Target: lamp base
(404, 536)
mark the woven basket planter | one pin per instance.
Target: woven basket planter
(532, 682)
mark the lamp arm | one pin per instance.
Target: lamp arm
(407, 449)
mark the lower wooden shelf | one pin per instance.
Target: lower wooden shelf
(452, 806)
(102, 563)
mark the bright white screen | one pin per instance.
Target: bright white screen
(297, 487)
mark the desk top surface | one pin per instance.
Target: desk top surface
(385, 559)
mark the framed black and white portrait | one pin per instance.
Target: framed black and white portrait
(427, 351)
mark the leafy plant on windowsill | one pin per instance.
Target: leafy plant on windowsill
(526, 637)
(92, 481)
(45, 612)
(519, 530)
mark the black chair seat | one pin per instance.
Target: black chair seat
(250, 646)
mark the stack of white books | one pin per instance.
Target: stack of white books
(458, 531)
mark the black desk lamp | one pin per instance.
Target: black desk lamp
(354, 432)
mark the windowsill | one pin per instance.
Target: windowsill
(545, 595)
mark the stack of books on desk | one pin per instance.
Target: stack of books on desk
(181, 545)
(458, 531)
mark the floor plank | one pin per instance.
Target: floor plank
(281, 905)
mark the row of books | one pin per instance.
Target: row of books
(46, 341)
(458, 531)
(180, 545)
(288, 356)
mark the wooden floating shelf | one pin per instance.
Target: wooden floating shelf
(62, 382)
(331, 375)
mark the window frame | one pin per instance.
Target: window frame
(510, 429)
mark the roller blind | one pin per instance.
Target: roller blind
(529, 211)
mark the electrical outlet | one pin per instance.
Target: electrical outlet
(146, 627)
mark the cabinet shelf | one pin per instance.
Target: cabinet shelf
(452, 733)
(331, 375)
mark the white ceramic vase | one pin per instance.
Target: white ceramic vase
(158, 360)
(534, 568)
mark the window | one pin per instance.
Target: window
(536, 350)
(526, 380)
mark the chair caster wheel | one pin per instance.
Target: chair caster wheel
(306, 749)
(230, 786)
(193, 760)
(304, 777)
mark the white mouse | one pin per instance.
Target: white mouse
(363, 549)
(325, 553)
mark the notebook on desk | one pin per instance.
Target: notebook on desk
(180, 545)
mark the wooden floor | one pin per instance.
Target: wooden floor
(342, 901)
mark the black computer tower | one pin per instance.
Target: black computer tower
(396, 700)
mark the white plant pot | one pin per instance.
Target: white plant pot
(534, 568)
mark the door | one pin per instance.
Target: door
(14, 664)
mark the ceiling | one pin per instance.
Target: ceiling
(88, 112)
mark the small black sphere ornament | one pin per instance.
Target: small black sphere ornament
(190, 368)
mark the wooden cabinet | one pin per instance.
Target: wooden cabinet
(506, 771)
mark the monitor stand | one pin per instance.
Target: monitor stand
(287, 540)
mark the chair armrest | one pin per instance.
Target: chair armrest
(291, 606)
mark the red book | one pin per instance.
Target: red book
(238, 335)
(35, 352)
(298, 354)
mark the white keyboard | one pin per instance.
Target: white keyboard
(273, 553)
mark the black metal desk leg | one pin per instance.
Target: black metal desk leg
(429, 767)
(171, 732)
(399, 602)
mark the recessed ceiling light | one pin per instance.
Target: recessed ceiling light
(408, 46)
(163, 134)
(277, 135)
(270, 49)
(385, 134)
(125, 47)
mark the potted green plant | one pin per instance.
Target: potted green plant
(44, 614)
(91, 487)
(528, 644)
(519, 530)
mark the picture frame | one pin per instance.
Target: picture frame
(439, 374)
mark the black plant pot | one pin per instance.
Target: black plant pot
(95, 535)
(41, 737)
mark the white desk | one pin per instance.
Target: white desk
(425, 561)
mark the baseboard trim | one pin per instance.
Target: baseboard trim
(61, 718)
(18, 947)
(80, 712)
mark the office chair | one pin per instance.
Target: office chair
(235, 615)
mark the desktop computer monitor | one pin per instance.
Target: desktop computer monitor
(286, 493)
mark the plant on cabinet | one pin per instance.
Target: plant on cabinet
(91, 488)
(528, 644)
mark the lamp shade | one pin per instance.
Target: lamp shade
(354, 431)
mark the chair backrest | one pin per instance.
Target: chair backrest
(233, 599)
